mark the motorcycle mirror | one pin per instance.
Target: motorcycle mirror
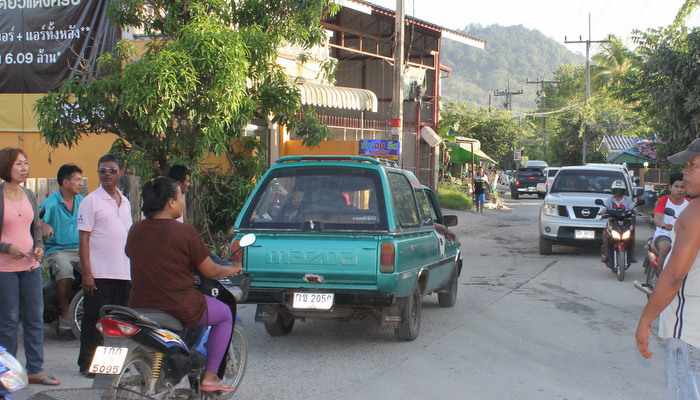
(670, 212)
(247, 240)
(599, 202)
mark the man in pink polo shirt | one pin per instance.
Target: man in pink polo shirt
(104, 221)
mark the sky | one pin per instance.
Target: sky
(554, 18)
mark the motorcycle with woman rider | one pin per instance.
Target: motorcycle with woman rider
(170, 324)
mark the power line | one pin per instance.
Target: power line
(541, 93)
(508, 94)
(588, 43)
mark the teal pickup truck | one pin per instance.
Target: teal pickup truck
(346, 237)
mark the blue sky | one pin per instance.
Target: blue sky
(554, 18)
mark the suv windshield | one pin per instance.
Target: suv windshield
(552, 173)
(319, 199)
(586, 181)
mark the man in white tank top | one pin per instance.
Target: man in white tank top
(676, 298)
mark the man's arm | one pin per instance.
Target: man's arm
(88, 280)
(685, 250)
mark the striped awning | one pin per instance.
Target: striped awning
(345, 98)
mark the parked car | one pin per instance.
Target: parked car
(569, 214)
(550, 173)
(346, 237)
(528, 181)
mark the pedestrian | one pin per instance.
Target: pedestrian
(60, 217)
(104, 221)
(480, 183)
(676, 297)
(21, 251)
(181, 175)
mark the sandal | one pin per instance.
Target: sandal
(216, 387)
(43, 379)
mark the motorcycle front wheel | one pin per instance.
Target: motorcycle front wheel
(236, 361)
(621, 264)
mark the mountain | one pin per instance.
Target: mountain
(512, 53)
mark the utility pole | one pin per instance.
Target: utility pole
(588, 43)
(397, 98)
(542, 82)
(508, 95)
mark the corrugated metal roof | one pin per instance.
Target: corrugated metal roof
(619, 143)
(447, 33)
(313, 94)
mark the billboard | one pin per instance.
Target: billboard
(43, 42)
(388, 149)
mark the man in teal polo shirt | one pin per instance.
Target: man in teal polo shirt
(60, 216)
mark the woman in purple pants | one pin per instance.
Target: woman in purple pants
(164, 255)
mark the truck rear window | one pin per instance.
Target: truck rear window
(319, 199)
(530, 172)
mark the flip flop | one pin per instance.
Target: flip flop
(43, 379)
(216, 387)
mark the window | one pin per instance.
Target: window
(319, 199)
(552, 173)
(587, 181)
(404, 202)
(428, 215)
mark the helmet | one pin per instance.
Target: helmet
(618, 187)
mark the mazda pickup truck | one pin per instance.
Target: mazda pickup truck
(346, 237)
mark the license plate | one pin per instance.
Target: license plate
(585, 235)
(108, 360)
(313, 301)
(531, 189)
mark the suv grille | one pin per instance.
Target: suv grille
(586, 212)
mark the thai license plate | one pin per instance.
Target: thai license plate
(108, 360)
(531, 189)
(584, 235)
(313, 301)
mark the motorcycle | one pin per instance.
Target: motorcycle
(620, 231)
(13, 376)
(149, 351)
(51, 310)
(652, 262)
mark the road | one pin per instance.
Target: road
(525, 327)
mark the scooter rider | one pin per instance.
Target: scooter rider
(618, 201)
(164, 254)
(676, 201)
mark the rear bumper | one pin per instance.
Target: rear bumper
(342, 297)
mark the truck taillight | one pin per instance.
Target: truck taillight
(236, 252)
(115, 328)
(387, 257)
(517, 183)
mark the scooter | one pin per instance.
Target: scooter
(51, 311)
(13, 376)
(620, 230)
(652, 262)
(150, 352)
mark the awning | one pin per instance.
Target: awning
(461, 153)
(314, 94)
(430, 136)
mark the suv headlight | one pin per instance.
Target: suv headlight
(551, 210)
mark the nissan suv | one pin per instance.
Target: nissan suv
(569, 214)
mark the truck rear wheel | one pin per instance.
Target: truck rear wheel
(449, 298)
(411, 308)
(282, 325)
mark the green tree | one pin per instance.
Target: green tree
(209, 70)
(612, 63)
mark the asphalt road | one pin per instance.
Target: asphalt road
(525, 327)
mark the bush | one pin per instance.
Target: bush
(454, 198)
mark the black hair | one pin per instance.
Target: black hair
(66, 171)
(675, 177)
(110, 158)
(156, 194)
(178, 172)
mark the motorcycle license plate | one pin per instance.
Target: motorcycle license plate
(108, 360)
(584, 235)
(313, 301)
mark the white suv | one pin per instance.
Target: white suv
(569, 214)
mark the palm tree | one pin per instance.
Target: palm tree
(612, 63)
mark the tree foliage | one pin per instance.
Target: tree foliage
(208, 71)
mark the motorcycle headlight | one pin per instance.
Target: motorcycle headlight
(551, 210)
(615, 235)
(626, 235)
